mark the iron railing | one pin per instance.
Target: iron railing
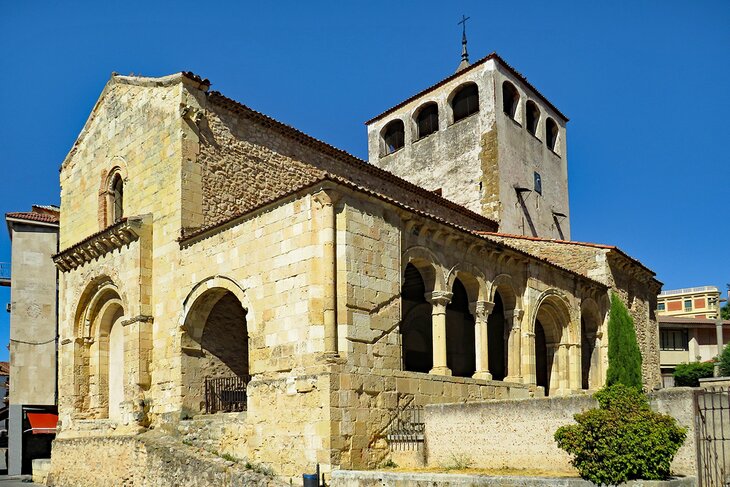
(712, 430)
(406, 430)
(226, 394)
(688, 290)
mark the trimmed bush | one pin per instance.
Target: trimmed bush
(624, 356)
(621, 440)
(689, 375)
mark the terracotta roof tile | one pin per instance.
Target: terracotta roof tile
(32, 215)
(572, 242)
(481, 61)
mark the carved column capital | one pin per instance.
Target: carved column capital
(439, 298)
(481, 309)
(515, 314)
(325, 197)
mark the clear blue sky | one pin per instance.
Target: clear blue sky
(645, 85)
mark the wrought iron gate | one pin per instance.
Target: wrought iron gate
(712, 430)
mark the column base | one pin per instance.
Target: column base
(482, 375)
(440, 371)
(513, 378)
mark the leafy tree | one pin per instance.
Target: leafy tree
(725, 312)
(624, 356)
(621, 440)
(689, 375)
(725, 362)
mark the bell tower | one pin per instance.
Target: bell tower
(486, 139)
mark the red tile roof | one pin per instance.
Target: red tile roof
(46, 217)
(572, 242)
(688, 320)
(4, 368)
(481, 61)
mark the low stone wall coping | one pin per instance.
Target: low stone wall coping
(354, 478)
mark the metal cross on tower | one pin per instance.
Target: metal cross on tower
(464, 53)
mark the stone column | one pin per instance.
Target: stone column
(576, 366)
(514, 345)
(564, 375)
(325, 201)
(439, 300)
(480, 310)
(529, 360)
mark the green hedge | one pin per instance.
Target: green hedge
(689, 375)
(621, 440)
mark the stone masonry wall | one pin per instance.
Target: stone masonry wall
(244, 163)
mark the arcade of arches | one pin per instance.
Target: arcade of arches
(459, 332)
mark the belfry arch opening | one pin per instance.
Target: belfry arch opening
(394, 136)
(416, 328)
(117, 198)
(465, 101)
(215, 347)
(551, 134)
(532, 117)
(427, 120)
(510, 99)
(460, 351)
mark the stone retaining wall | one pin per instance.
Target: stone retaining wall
(518, 434)
(149, 462)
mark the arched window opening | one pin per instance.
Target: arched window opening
(215, 354)
(551, 133)
(416, 329)
(427, 121)
(590, 323)
(117, 198)
(460, 350)
(394, 136)
(465, 101)
(533, 117)
(510, 99)
(497, 334)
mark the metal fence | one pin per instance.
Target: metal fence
(406, 430)
(226, 394)
(712, 429)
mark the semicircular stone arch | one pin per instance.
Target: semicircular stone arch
(550, 326)
(214, 344)
(429, 266)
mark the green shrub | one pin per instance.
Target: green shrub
(621, 440)
(689, 375)
(725, 362)
(624, 356)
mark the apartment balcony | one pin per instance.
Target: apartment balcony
(4, 273)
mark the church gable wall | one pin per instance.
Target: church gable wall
(133, 128)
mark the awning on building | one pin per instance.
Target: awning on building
(42, 423)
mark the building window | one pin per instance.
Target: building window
(661, 307)
(538, 183)
(533, 117)
(688, 305)
(394, 136)
(465, 101)
(551, 134)
(673, 340)
(427, 121)
(117, 194)
(510, 99)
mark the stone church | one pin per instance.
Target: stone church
(233, 281)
